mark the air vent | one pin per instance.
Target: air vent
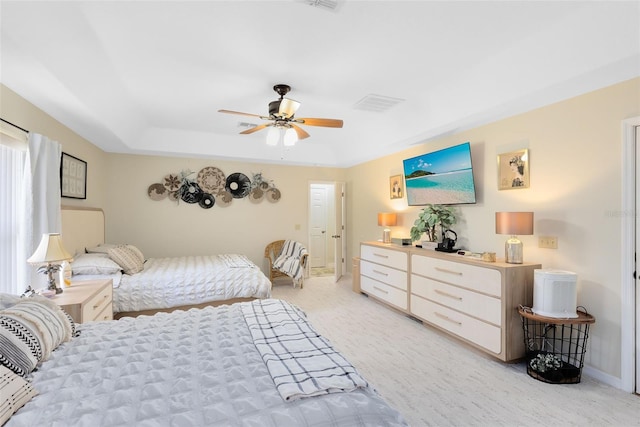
(246, 125)
(377, 103)
(322, 4)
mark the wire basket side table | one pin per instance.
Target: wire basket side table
(555, 347)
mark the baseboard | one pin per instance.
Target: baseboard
(602, 377)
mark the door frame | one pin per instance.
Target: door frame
(630, 357)
(341, 266)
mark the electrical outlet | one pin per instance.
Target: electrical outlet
(549, 242)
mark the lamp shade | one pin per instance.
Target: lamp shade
(273, 136)
(50, 249)
(514, 223)
(387, 219)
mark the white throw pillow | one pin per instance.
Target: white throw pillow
(94, 263)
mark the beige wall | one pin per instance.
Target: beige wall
(575, 193)
(21, 112)
(165, 228)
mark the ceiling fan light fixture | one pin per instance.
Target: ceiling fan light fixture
(273, 136)
(290, 137)
(288, 107)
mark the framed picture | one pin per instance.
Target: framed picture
(513, 170)
(396, 189)
(73, 177)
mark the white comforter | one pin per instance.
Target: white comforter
(172, 282)
(186, 368)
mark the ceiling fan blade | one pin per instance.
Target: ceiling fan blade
(288, 107)
(240, 113)
(255, 129)
(302, 134)
(328, 123)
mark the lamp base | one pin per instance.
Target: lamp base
(386, 236)
(52, 284)
(513, 251)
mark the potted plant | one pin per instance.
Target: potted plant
(431, 217)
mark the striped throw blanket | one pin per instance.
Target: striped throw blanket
(289, 259)
(301, 362)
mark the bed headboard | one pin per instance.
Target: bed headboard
(82, 228)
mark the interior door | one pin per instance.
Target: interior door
(637, 245)
(339, 239)
(318, 227)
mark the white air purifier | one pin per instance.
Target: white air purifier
(555, 293)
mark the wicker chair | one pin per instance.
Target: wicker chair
(271, 252)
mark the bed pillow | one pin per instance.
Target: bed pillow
(46, 318)
(127, 257)
(15, 392)
(102, 248)
(94, 263)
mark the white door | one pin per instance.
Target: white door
(318, 226)
(637, 245)
(339, 238)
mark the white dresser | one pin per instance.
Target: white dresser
(473, 300)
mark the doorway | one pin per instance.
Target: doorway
(630, 319)
(326, 230)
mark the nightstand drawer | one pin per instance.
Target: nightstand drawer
(97, 304)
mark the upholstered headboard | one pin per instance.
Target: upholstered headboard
(82, 228)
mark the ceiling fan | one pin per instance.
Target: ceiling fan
(281, 116)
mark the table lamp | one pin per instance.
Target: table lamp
(387, 220)
(514, 223)
(50, 251)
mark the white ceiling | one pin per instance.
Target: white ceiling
(149, 76)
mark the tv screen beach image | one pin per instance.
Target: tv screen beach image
(442, 177)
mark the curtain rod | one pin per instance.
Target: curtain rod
(15, 126)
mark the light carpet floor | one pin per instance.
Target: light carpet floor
(434, 380)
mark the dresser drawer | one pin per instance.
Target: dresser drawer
(389, 257)
(384, 274)
(476, 331)
(482, 306)
(481, 279)
(100, 302)
(384, 292)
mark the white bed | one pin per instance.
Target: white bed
(163, 284)
(202, 367)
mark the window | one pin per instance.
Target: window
(12, 162)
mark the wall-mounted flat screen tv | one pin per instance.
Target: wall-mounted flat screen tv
(443, 177)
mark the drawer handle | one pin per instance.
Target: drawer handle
(100, 302)
(381, 290)
(447, 294)
(448, 319)
(444, 270)
(380, 255)
(380, 272)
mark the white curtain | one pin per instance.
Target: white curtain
(41, 202)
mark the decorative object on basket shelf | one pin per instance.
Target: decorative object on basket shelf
(50, 251)
(431, 217)
(544, 362)
(514, 223)
(387, 220)
(212, 188)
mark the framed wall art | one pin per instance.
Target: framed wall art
(73, 177)
(396, 189)
(513, 170)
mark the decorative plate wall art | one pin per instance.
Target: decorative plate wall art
(211, 187)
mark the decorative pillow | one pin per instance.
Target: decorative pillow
(20, 344)
(45, 317)
(8, 300)
(128, 257)
(138, 252)
(15, 392)
(94, 263)
(102, 248)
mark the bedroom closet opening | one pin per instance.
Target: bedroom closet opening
(326, 229)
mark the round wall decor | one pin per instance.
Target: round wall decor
(190, 192)
(207, 201)
(238, 184)
(211, 180)
(157, 191)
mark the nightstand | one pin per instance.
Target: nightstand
(88, 300)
